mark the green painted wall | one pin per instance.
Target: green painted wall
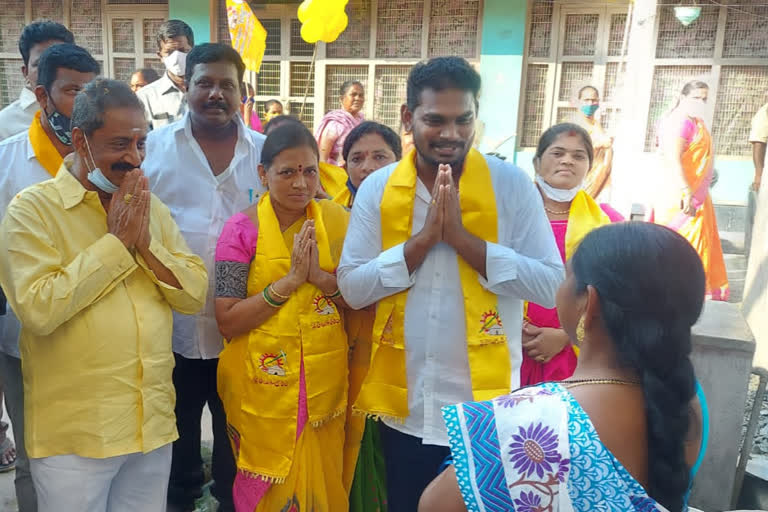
(196, 14)
(501, 68)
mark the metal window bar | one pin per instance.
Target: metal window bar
(541, 29)
(47, 10)
(389, 94)
(299, 47)
(335, 76)
(573, 76)
(453, 28)
(268, 81)
(398, 28)
(580, 34)
(150, 28)
(155, 64)
(667, 83)
(273, 28)
(535, 97)
(86, 23)
(355, 41)
(616, 35)
(694, 41)
(566, 114)
(11, 21)
(122, 35)
(741, 93)
(614, 80)
(300, 74)
(122, 68)
(307, 117)
(11, 80)
(746, 32)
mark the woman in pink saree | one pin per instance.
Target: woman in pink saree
(336, 124)
(563, 159)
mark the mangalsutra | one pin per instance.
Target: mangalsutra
(583, 382)
(553, 212)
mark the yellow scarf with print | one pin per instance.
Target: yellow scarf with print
(262, 407)
(45, 152)
(385, 391)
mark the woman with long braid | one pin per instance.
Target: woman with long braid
(625, 432)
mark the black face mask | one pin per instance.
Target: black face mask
(60, 124)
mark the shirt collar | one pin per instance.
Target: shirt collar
(72, 192)
(167, 85)
(27, 98)
(186, 125)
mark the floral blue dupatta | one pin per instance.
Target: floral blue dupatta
(535, 450)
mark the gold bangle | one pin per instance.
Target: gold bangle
(272, 291)
(269, 300)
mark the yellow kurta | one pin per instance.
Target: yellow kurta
(96, 322)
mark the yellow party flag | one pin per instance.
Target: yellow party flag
(249, 37)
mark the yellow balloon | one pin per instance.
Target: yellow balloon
(303, 11)
(309, 9)
(335, 28)
(312, 31)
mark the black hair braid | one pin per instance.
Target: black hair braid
(668, 383)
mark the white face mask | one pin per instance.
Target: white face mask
(97, 177)
(176, 63)
(557, 194)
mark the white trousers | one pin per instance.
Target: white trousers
(127, 483)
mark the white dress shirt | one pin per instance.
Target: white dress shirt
(19, 170)
(524, 265)
(179, 174)
(163, 102)
(16, 117)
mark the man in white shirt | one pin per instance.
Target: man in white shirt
(30, 157)
(35, 38)
(163, 99)
(437, 263)
(205, 168)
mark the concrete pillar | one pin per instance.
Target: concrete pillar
(195, 13)
(501, 68)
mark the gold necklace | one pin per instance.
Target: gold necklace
(553, 212)
(583, 382)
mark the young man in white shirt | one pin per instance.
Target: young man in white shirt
(163, 99)
(205, 168)
(437, 348)
(35, 38)
(30, 157)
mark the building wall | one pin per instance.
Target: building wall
(196, 13)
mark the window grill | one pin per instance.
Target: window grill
(47, 10)
(335, 76)
(390, 94)
(122, 35)
(741, 93)
(123, 68)
(574, 75)
(273, 28)
(301, 74)
(580, 34)
(155, 64)
(534, 104)
(299, 47)
(541, 29)
(453, 28)
(222, 25)
(667, 83)
(10, 26)
(399, 28)
(613, 80)
(694, 41)
(150, 28)
(268, 82)
(355, 41)
(11, 80)
(86, 25)
(616, 35)
(307, 117)
(566, 114)
(746, 32)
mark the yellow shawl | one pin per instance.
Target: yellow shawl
(45, 152)
(584, 216)
(385, 391)
(332, 178)
(262, 406)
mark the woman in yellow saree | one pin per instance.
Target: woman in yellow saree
(283, 373)
(684, 203)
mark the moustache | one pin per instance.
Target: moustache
(217, 104)
(122, 167)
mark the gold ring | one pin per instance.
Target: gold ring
(127, 198)
(434, 202)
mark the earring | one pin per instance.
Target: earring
(580, 331)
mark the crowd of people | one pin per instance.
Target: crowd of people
(376, 320)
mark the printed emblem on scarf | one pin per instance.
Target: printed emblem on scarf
(323, 305)
(273, 364)
(490, 323)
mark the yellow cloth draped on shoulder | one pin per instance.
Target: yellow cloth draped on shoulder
(385, 390)
(333, 179)
(260, 371)
(45, 152)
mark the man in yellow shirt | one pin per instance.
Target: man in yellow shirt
(92, 265)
